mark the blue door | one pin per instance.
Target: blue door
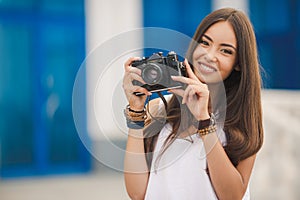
(42, 44)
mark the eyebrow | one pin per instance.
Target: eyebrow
(223, 44)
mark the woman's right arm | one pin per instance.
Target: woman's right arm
(136, 172)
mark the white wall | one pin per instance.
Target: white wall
(106, 20)
(238, 4)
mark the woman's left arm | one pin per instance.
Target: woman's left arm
(229, 182)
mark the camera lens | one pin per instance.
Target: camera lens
(152, 74)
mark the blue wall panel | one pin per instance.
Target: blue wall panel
(42, 45)
(276, 23)
(182, 16)
(178, 15)
(277, 27)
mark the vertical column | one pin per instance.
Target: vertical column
(238, 4)
(104, 20)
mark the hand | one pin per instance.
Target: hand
(195, 95)
(133, 73)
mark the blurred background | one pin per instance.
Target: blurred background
(42, 46)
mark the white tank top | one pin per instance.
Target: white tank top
(180, 173)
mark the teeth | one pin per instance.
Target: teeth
(206, 68)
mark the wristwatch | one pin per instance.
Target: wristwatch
(207, 122)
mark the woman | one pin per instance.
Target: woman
(229, 132)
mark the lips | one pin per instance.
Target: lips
(205, 68)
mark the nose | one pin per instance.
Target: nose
(210, 55)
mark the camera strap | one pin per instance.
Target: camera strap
(163, 99)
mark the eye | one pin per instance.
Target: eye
(227, 51)
(204, 43)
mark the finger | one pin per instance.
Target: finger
(183, 79)
(138, 89)
(189, 70)
(192, 92)
(132, 74)
(186, 94)
(179, 92)
(135, 70)
(128, 80)
(135, 89)
(129, 61)
(192, 95)
(137, 77)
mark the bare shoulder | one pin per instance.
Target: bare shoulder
(154, 102)
(155, 108)
(157, 103)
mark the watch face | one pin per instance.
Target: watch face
(207, 122)
(204, 123)
(212, 118)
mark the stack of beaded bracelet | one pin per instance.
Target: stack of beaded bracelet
(207, 130)
(135, 119)
(207, 126)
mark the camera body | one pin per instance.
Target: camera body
(157, 70)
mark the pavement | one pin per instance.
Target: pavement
(275, 175)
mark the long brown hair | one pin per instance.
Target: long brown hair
(243, 121)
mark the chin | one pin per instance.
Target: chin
(210, 79)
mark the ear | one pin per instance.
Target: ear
(237, 68)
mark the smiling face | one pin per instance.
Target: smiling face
(215, 56)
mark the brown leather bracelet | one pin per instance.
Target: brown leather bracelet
(135, 111)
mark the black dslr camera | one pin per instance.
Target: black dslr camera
(157, 71)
